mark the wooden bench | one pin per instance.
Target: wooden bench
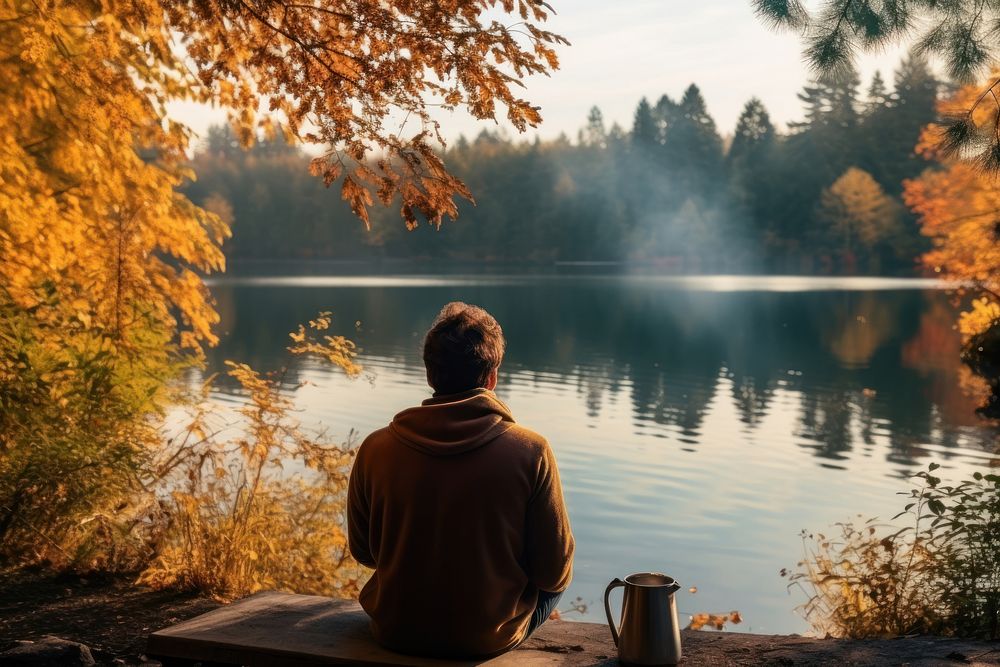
(280, 629)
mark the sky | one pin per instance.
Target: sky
(622, 50)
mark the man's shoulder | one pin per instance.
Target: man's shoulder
(377, 439)
(526, 439)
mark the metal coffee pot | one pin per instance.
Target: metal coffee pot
(649, 633)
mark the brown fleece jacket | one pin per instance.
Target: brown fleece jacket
(460, 512)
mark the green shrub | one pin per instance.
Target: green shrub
(965, 524)
(939, 574)
(90, 480)
(75, 433)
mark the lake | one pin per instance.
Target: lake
(700, 423)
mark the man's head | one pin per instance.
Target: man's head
(463, 349)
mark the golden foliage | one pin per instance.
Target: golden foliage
(870, 581)
(255, 502)
(958, 207)
(102, 297)
(959, 210)
(936, 575)
(982, 313)
(858, 213)
(717, 621)
(89, 167)
(100, 280)
(89, 160)
(356, 76)
(336, 350)
(861, 325)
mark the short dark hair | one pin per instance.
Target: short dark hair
(463, 346)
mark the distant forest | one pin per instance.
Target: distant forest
(669, 192)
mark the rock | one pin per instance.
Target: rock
(46, 652)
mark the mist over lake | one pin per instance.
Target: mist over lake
(699, 422)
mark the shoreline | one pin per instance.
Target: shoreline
(113, 617)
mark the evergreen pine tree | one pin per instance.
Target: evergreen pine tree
(665, 114)
(594, 134)
(830, 100)
(640, 179)
(644, 126)
(815, 98)
(819, 149)
(877, 97)
(754, 133)
(962, 32)
(843, 88)
(222, 142)
(892, 131)
(692, 143)
(750, 167)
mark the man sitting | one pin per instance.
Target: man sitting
(458, 509)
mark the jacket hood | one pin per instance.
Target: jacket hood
(452, 424)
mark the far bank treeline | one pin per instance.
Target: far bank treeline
(670, 191)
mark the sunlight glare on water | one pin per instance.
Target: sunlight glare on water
(712, 283)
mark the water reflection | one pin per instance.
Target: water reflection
(699, 424)
(862, 362)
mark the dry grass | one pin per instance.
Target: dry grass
(940, 574)
(256, 503)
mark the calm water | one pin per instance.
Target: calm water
(699, 423)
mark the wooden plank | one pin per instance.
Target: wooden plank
(285, 630)
(276, 629)
(282, 629)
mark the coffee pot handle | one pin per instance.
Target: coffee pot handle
(615, 583)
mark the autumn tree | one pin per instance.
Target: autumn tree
(606, 196)
(959, 210)
(858, 217)
(91, 161)
(101, 283)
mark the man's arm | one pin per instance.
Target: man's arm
(359, 516)
(549, 540)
